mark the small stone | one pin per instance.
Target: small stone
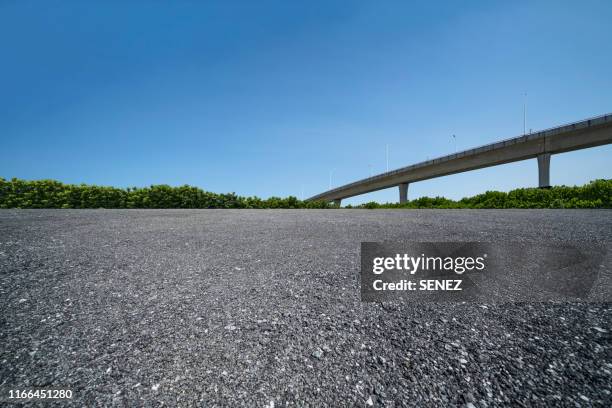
(369, 402)
(600, 330)
(582, 397)
(463, 361)
(380, 390)
(483, 358)
(317, 353)
(155, 387)
(230, 327)
(23, 300)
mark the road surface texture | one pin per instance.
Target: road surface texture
(261, 308)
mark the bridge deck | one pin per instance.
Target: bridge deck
(578, 135)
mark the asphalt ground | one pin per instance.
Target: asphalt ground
(261, 308)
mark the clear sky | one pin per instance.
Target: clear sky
(267, 97)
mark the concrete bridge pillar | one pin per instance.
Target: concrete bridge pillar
(337, 202)
(544, 170)
(403, 191)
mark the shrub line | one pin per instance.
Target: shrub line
(17, 193)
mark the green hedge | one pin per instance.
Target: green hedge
(596, 194)
(18, 193)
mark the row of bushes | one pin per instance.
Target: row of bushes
(596, 194)
(18, 193)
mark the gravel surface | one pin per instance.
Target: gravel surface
(261, 308)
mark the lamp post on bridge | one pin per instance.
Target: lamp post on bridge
(387, 156)
(524, 113)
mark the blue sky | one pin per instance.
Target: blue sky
(266, 98)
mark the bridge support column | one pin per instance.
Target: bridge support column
(544, 170)
(403, 192)
(337, 202)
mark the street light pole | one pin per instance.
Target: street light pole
(525, 114)
(387, 156)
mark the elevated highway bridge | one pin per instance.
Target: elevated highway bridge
(540, 145)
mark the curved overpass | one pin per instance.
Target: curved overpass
(541, 145)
